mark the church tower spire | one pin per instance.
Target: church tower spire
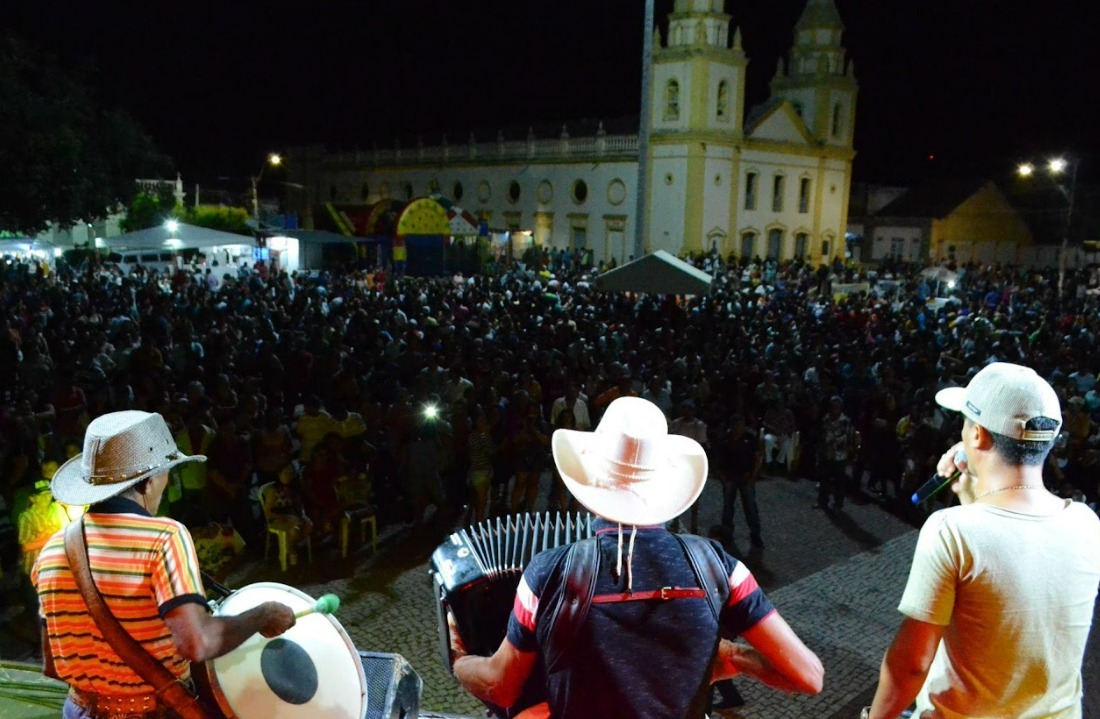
(818, 80)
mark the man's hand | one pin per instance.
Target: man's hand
(948, 464)
(458, 649)
(275, 619)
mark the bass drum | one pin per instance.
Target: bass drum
(312, 671)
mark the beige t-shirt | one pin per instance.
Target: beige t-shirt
(1015, 593)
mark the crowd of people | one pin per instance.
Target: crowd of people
(340, 391)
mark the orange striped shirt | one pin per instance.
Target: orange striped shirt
(144, 567)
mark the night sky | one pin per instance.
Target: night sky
(977, 84)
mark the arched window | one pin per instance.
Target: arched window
(723, 100)
(750, 190)
(804, 195)
(837, 110)
(778, 186)
(748, 244)
(672, 100)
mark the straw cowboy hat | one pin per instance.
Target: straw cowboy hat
(630, 469)
(120, 450)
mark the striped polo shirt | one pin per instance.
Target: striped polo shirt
(144, 567)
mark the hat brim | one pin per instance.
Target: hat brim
(672, 489)
(952, 398)
(69, 486)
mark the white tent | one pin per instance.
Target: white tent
(182, 237)
(657, 273)
(159, 247)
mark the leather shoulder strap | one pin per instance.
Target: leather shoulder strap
(148, 667)
(582, 564)
(709, 569)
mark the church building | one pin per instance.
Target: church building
(768, 181)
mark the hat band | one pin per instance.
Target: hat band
(101, 479)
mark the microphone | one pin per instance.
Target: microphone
(932, 487)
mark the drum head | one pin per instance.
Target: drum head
(310, 672)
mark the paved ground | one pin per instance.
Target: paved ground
(835, 577)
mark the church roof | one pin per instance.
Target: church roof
(820, 13)
(759, 112)
(933, 198)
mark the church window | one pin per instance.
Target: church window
(804, 195)
(750, 191)
(364, 192)
(723, 100)
(457, 191)
(748, 244)
(836, 119)
(580, 191)
(801, 245)
(513, 191)
(672, 100)
(797, 108)
(778, 184)
(408, 191)
(775, 243)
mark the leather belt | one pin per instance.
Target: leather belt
(118, 706)
(664, 594)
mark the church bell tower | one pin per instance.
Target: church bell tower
(696, 119)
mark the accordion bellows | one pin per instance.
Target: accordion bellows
(477, 569)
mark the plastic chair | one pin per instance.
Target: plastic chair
(356, 510)
(279, 528)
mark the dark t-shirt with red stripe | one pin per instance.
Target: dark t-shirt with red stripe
(634, 659)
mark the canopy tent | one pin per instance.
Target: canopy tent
(183, 238)
(657, 273)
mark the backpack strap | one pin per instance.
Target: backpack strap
(582, 565)
(709, 569)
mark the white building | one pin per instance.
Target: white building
(770, 181)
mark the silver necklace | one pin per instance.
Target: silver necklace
(1006, 489)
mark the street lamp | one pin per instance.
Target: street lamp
(1055, 168)
(274, 159)
(172, 226)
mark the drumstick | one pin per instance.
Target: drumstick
(327, 604)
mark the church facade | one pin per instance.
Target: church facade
(769, 181)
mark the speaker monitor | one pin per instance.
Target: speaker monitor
(393, 686)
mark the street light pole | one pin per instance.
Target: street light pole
(1054, 168)
(274, 159)
(1070, 194)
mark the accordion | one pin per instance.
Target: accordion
(476, 572)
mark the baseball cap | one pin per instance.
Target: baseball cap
(1003, 397)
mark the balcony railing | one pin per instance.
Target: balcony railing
(601, 147)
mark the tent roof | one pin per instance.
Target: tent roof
(657, 273)
(189, 236)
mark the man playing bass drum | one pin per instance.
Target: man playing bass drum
(144, 567)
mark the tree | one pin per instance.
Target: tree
(148, 210)
(64, 159)
(220, 217)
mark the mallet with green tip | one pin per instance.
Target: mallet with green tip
(327, 604)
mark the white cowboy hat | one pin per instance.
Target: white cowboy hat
(120, 450)
(630, 469)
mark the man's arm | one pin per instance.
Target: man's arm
(781, 647)
(905, 667)
(498, 679)
(200, 637)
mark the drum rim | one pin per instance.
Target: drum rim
(212, 676)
